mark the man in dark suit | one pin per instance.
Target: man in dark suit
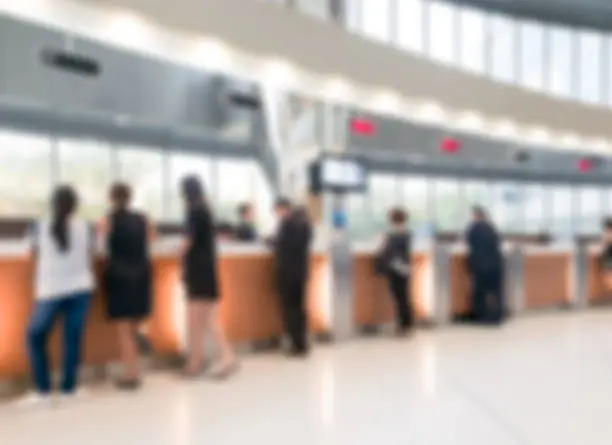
(245, 231)
(485, 263)
(291, 251)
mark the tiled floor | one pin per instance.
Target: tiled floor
(542, 380)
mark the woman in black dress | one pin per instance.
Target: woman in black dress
(128, 277)
(201, 281)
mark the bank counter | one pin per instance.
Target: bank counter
(249, 305)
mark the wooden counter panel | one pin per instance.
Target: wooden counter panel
(547, 280)
(459, 285)
(16, 303)
(372, 303)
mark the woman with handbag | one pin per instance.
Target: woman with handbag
(394, 262)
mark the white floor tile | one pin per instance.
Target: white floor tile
(540, 380)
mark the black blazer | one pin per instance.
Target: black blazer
(246, 232)
(484, 246)
(292, 246)
(394, 257)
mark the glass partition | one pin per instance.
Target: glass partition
(416, 196)
(590, 204)
(88, 166)
(181, 165)
(143, 169)
(448, 204)
(25, 160)
(561, 211)
(235, 185)
(536, 208)
(383, 194)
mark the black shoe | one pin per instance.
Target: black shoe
(128, 384)
(298, 352)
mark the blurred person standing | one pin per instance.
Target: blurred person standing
(292, 257)
(128, 277)
(485, 264)
(605, 261)
(394, 262)
(201, 281)
(245, 230)
(64, 286)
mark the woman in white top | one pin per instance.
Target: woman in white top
(64, 286)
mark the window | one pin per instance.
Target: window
(506, 206)
(441, 39)
(561, 211)
(590, 202)
(448, 204)
(359, 218)
(561, 62)
(472, 40)
(375, 19)
(535, 205)
(143, 169)
(415, 196)
(589, 67)
(235, 184)
(181, 165)
(26, 160)
(263, 201)
(410, 16)
(88, 166)
(532, 55)
(383, 194)
(503, 48)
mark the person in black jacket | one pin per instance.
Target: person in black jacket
(291, 251)
(245, 231)
(485, 264)
(605, 260)
(394, 260)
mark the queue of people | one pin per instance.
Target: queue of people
(65, 281)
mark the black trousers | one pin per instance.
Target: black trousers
(487, 296)
(400, 292)
(292, 292)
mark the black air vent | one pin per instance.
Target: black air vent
(244, 100)
(72, 63)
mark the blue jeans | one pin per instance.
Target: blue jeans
(73, 307)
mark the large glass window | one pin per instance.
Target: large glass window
(382, 195)
(410, 17)
(448, 204)
(441, 30)
(561, 211)
(180, 166)
(590, 202)
(235, 184)
(589, 66)
(88, 166)
(375, 21)
(506, 206)
(472, 40)
(143, 169)
(359, 218)
(25, 182)
(536, 206)
(415, 194)
(532, 54)
(503, 37)
(561, 63)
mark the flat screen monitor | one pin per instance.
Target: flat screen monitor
(340, 175)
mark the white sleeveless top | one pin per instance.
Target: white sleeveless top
(58, 272)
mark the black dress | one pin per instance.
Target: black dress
(200, 262)
(128, 274)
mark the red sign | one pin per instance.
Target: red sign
(450, 145)
(585, 165)
(363, 127)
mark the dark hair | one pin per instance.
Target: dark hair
(282, 203)
(64, 203)
(607, 223)
(244, 208)
(121, 195)
(193, 191)
(397, 216)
